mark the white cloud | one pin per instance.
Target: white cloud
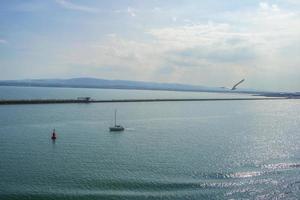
(71, 6)
(259, 45)
(267, 7)
(131, 12)
(293, 2)
(157, 9)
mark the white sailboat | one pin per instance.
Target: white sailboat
(116, 127)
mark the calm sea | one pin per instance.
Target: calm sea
(169, 150)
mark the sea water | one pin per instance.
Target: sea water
(169, 150)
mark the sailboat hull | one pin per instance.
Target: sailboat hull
(116, 128)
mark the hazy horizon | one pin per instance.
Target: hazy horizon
(208, 43)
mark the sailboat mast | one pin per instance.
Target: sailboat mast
(115, 117)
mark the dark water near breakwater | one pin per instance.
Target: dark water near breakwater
(170, 150)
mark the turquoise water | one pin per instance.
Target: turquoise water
(169, 150)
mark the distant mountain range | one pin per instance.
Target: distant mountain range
(117, 84)
(137, 85)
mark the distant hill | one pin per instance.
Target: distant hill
(116, 84)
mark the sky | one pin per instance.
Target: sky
(199, 42)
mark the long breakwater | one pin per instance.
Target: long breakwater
(67, 101)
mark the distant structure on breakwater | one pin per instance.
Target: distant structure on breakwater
(87, 99)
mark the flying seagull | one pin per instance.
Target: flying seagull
(234, 87)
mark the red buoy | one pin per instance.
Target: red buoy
(53, 135)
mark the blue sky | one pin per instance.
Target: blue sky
(203, 42)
